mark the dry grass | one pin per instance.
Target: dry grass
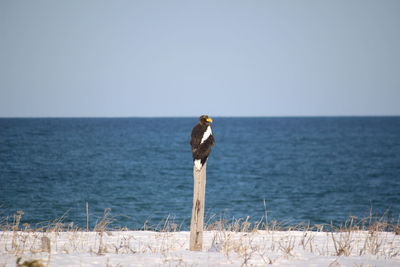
(250, 242)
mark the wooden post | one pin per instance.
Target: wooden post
(197, 222)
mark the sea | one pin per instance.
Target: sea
(313, 170)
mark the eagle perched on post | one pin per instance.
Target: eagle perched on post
(202, 141)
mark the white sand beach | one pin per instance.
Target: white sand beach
(220, 248)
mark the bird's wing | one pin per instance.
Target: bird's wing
(197, 134)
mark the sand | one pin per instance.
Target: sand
(220, 248)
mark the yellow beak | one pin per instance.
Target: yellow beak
(209, 120)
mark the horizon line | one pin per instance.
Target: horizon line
(217, 116)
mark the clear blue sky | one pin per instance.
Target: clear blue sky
(186, 58)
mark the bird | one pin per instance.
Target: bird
(202, 140)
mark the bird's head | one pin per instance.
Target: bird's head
(205, 120)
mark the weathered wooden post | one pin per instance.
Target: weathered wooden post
(197, 222)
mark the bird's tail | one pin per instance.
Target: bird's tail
(197, 164)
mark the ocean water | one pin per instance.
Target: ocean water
(314, 170)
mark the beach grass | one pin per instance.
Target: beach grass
(238, 242)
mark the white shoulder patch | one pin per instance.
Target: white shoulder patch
(206, 134)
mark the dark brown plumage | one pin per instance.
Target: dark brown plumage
(202, 141)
